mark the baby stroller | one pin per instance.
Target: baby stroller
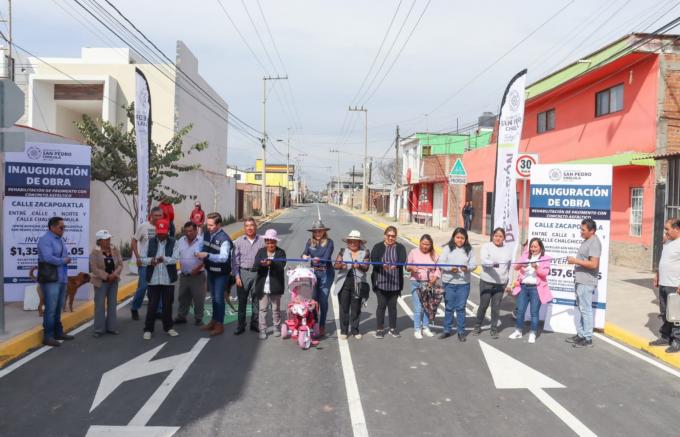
(301, 324)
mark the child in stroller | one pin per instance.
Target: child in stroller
(301, 323)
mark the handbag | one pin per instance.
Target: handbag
(47, 272)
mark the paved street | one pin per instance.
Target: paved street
(232, 385)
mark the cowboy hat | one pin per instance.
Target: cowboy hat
(317, 225)
(354, 235)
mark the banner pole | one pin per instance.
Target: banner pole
(524, 212)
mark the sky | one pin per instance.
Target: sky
(441, 64)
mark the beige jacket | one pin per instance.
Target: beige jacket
(97, 268)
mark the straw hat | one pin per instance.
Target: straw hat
(354, 235)
(317, 225)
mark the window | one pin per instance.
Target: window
(291, 177)
(546, 121)
(237, 177)
(609, 100)
(427, 150)
(636, 212)
(258, 176)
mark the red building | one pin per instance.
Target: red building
(619, 106)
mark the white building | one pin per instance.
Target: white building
(100, 83)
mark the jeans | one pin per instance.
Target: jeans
(584, 300)
(324, 279)
(455, 296)
(528, 297)
(158, 294)
(54, 293)
(141, 289)
(493, 294)
(420, 317)
(105, 301)
(668, 330)
(216, 285)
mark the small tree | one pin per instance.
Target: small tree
(388, 171)
(114, 161)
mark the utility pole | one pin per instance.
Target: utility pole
(288, 166)
(364, 196)
(397, 176)
(264, 139)
(352, 198)
(337, 181)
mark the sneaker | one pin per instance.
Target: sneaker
(263, 335)
(476, 330)
(112, 332)
(135, 314)
(673, 348)
(147, 335)
(515, 334)
(574, 339)
(532, 337)
(96, 334)
(660, 342)
(277, 332)
(444, 335)
(427, 332)
(462, 338)
(493, 333)
(583, 342)
(394, 333)
(343, 336)
(172, 333)
(358, 336)
(379, 334)
(417, 334)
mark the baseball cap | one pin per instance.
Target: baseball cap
(103, 235)
(162, 227)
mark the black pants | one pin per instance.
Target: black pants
(248, 290)
(668, 330)
(166, 293)
(489, 293)
(350, 306)
(386, 300)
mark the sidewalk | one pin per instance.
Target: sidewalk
(23, 330)
(632, 303)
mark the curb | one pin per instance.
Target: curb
(30, 339)
(610, 329)
(22, 343)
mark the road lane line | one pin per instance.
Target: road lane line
(569, 419)
(356, 410)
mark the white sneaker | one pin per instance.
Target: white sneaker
(418, 335)
(343, 336)
(147, 336)
(532, 337)
(358, 336)
(515, 334)
(427, 332)
(172, 333)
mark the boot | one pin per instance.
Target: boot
(217, 330)
(209, 326)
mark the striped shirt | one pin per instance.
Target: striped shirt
(244, 253)
(388, 280)
(160, 272)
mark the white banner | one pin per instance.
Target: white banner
(143, 134)
(511, 120)
(44, 181)
(561, 196)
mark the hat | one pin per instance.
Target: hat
(317, 225)
(103, 235)
(162, 227)
(354, 235)
(197, 203)
(271, 234)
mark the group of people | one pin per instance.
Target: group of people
(196, 264)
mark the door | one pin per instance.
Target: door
(475, 194)
(437, 206)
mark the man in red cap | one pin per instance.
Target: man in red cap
(161, 274)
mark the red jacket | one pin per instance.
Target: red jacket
(197, 216)
(168, 211)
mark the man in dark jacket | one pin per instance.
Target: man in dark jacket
(161, 258)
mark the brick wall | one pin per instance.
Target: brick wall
(671, 103)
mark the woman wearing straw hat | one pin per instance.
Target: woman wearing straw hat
(351, 285)
(106, 264)
(319, 249)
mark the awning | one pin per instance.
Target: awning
(620, 160)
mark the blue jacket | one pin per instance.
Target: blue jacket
(52, 250)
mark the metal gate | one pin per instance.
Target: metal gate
(673, 188)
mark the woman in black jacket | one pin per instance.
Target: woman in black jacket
(388, 280)
(271, 281)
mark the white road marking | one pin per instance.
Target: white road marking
(509, 373)
(131, 431)
(356, 410)
(318, 211)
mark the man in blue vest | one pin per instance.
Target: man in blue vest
(161, 274)
(216, 255)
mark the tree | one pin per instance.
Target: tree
(114, 161)
(388, 171)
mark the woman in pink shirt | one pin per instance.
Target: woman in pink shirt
(424, 254)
